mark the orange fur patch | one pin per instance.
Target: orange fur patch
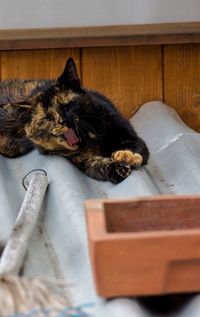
(134, 159)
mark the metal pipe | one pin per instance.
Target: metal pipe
(15, 249)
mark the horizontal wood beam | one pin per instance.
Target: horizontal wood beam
(118, 35)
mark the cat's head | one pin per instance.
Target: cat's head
(59, 119)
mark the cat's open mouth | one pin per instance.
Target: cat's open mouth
(71, 137)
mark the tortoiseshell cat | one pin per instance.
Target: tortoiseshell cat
(60, 117)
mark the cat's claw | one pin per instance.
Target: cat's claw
(118, 171)
(133, 159)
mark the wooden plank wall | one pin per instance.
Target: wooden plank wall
(36, 64)
(128, 75)
(181, 81)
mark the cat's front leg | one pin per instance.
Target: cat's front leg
(118, 171)
(133, 151)
(102, 168)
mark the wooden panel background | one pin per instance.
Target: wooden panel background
(181, 73)
(36, 64)
(128, 75)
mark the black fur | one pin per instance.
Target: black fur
(107, 146)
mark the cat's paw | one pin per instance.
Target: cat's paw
(118, 171)
(133, 159)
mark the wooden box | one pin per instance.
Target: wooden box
(145, 246)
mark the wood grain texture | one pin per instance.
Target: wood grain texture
(182, 81)
(0, 65)
(153, 214)
(159, 261)
(113, 35)
(129, 76)
(36, 64)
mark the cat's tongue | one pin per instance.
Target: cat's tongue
(71, 137)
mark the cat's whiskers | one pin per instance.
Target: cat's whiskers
(81, 134)
(102, 131)
(88, 126)
(85, 125)
(95, 117)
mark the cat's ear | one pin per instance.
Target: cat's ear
(69, 77)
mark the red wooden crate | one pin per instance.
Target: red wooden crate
(145, 246)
